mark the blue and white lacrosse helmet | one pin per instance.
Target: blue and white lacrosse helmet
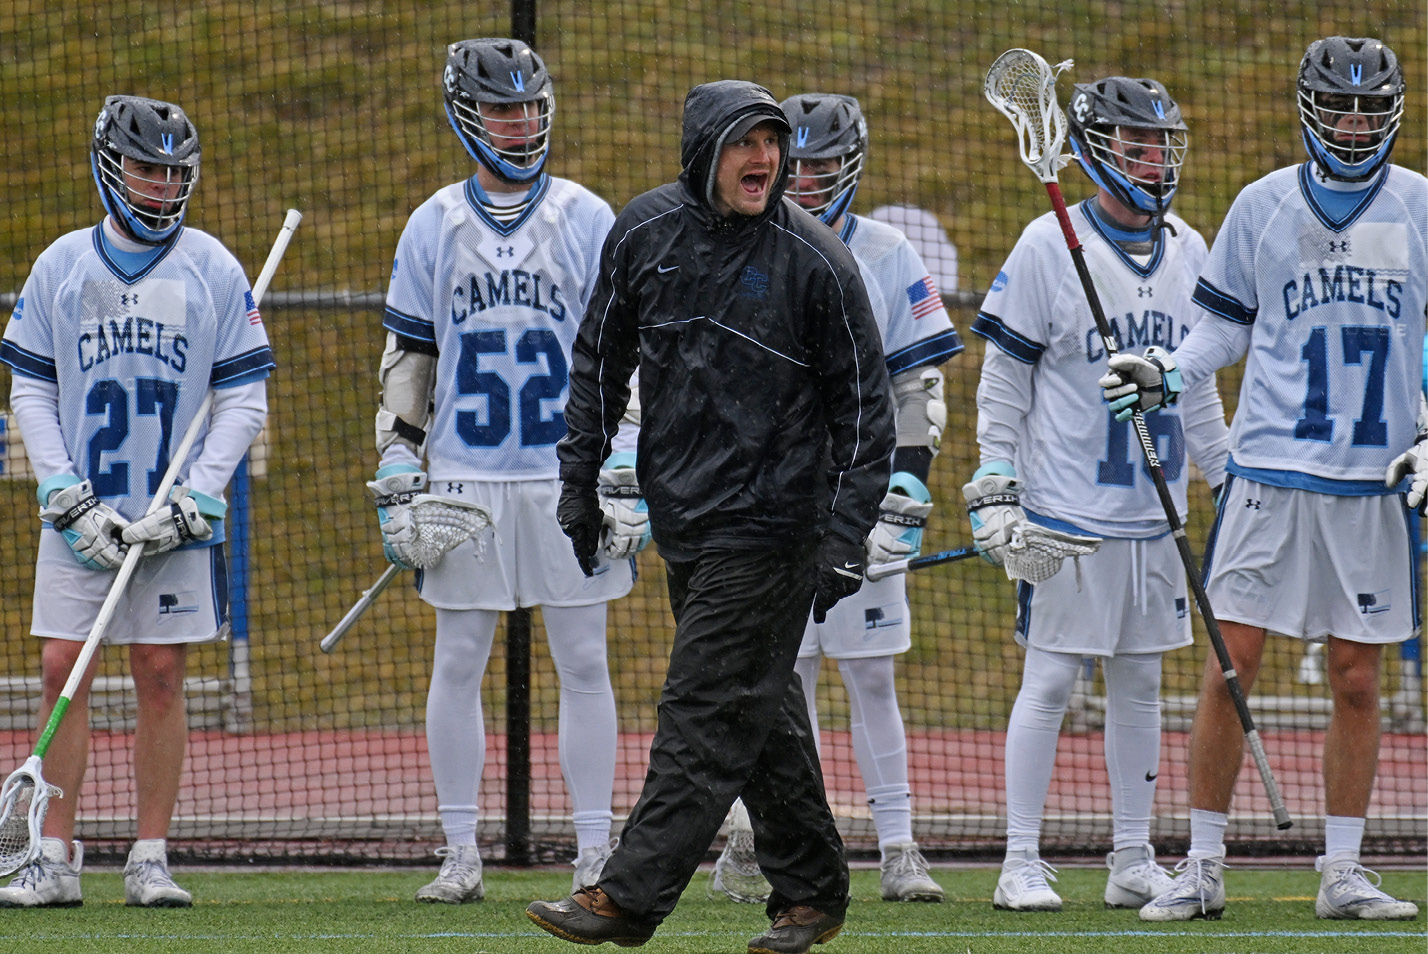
(825, 126)
(488, 72)
(1350, 105)
(1106, 122)
(144, 157)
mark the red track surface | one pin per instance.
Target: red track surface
(316, 774)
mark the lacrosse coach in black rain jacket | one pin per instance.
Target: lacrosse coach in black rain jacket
(765, 444)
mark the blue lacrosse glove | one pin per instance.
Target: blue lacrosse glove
(1141, 383)
(994, 507)
(626, 517)
(92, 529)
(902, 517)
(393, 490)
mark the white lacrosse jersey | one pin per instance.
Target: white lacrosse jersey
(1334, 311)
(1083, 469)
(502, 304)
(134, 353)
(915, 328)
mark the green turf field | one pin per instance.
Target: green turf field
(1270, 912)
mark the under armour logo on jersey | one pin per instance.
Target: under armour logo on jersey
(126, 300)
(167, 143)
(1356, 74)
(454, 488)
(1251, 503)
(802, 136)
(1339, 246)
(1144, 291)
(518, 82)
(503, 250)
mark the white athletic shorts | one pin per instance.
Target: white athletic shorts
(175, 597)
(1312, 565)
(1131, 597)
(871, 622)
(526, 561)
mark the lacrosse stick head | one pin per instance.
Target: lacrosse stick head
(441, 525)
(1022, 86)
(1035, 552)
(23, 800)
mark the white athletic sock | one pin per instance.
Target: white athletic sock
(1132, 743)
(879, 744)
(1032, 732)
(455, 724)
(1207, 833)
(1343, 836)
(588, 732)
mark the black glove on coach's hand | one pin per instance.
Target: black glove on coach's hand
(837, 572)
(579, 515)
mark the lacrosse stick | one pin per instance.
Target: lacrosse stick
(1022, 86)
(442, 524)
(24, 798)
(881, 571)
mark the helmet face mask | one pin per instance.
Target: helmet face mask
(499, 100)
(144, 157)
(1129, 138)
(1350, 105)
(826, 152)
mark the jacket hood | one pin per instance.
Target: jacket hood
(712, 113)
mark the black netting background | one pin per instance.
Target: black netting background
(335, 109)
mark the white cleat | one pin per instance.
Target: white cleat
(905, 876)
(1346, 892)
(459, 880)
(737, 874)
(50, 881)
(1198, 892)
(147, 883)
(1023, 885)
(1135, 878)
(591, 864)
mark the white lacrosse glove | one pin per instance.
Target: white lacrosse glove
(902, 517)
(396, 486)
(1412, 463)
(92, 529)
(184, 520)
(1144, 384)
(994, 506)
(627, 518)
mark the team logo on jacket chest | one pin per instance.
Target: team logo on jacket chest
(514, 286)
(1347, 283)
(753, 283)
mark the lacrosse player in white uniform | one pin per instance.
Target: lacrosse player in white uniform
(490, 281)
(1053, 454)
(867, 631)
(119, 333)
(1318, 275)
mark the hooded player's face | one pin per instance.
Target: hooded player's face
(746, 170)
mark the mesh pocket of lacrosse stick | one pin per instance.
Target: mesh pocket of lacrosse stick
(1022, 86)
(441, 525)
(23, 801)
(1035, 553)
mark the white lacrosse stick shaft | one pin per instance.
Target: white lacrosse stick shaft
(364, 603)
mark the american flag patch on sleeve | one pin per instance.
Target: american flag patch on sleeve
(253, 317)
(923, 297)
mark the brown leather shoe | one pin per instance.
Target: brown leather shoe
(795, 930)
(589, 916)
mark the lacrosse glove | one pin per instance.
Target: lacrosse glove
(396, 486)
(994, 507)
(579, 515)
(184, 520)
(901, 519)
(92, 529)
(837, 572)
(626, 517)
(1412, 463)
(1143, 384)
